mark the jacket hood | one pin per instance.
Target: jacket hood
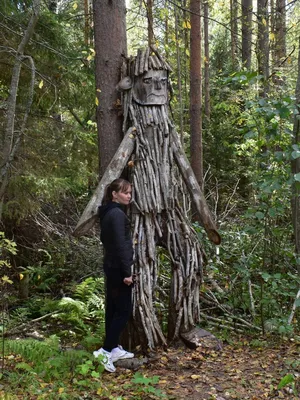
(103, 210)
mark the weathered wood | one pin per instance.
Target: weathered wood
(198, 337)
(194, 189)
(113, 171)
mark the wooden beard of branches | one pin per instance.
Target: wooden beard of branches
(159, 202)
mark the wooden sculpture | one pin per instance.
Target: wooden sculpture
(160, 174)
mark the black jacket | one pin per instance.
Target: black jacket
(116, 239)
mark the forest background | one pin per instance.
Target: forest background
(249, 136)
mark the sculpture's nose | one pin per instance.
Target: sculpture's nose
(157, 84)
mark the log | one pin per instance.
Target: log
(194, 189)
(113, 171)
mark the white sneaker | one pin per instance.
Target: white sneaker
(105, 359)
(118, 353)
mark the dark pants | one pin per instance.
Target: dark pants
(118, 310)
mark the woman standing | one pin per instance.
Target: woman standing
(118, 261)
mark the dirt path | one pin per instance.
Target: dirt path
(243, 370)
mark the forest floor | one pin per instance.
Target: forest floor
(246, 369)
(243, 369)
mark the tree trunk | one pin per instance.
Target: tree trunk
(180, 101)
(151, 40)
(86, 23)
(110, 46)
(296, 168)
(206, 62)
(246, 32)
(234, 32)
(11, 138)
(263, 42)
(280, 34)
(196, 92)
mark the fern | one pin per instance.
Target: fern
(78, 307)
(33, 350)
(46, 358)
(88, 287)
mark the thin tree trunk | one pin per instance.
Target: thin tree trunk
(279, 34)
(206, 62)
(180, 102)
(296, 168)
(263, 42)
(166, 33)
(196, 92)
(86, 23)
(11, 139)
(110, 47)
(234, 32)
(246, 32)
(186, 68)
(150, 22)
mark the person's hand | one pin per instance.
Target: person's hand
(128, 281)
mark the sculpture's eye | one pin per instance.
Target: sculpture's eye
(163, 81)
(147, 80)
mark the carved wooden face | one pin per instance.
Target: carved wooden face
(151, 88)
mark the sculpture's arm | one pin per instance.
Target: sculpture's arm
(113, 171)
(194, 189)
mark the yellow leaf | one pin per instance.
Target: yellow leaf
(98, 90)
(99, 391)
(92, 51)
(187, 52)
(21, 276)
(96, 101)
(264, 22)
(39, 277)
(186, 25)
(272, 36)
(61, 390)
(41, 84)
(6, 279)
(195, 376)
(75, 5)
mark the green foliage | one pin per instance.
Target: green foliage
(85, 310)
(288, 379)
(46, 362)
(7, 248)
(143, 386)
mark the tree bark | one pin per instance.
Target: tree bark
(296, 167)
(151, 40)
(279, 33)
(180, 101)
(246, 32)
(87, 23)
(263, 42)
(206, 62)
(196, 92)
(110, 47)
(234, 32)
